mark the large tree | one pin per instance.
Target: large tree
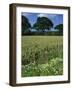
(25, 24)
(43, 23)
(59, 28)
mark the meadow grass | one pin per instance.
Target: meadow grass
(42, 55)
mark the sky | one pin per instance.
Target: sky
(55, 18)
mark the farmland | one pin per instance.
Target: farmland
(41, 55)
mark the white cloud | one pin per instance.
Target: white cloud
(47, 15)
(25, 14)
(42, 15)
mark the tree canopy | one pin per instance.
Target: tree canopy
(25, 24)
(59, 27)
(43, 23)
(41, 26)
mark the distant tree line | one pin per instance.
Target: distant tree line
(42, 26)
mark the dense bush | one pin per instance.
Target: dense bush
(49, 33)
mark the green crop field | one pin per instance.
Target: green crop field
(41, 55)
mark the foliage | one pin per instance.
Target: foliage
(43, 23)
(38, 33)
(25, 25)
(42, 55)
(60, 28)
(54, 67)
(42, 26)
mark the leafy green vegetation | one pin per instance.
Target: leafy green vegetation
(25, 25)
(42, 55)
(43, 23)
(42, 26)
(60, 28)
(54, 67)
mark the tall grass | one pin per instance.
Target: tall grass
(40, 51)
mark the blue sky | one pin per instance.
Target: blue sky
(32, 17)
